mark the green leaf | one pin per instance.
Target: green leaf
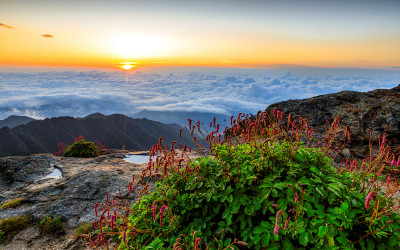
(303, 239)
(265, 239)
(321, 192)
(227, 242)
(258, 230)
(333, 191)
(229, 198)
(287, 244)
(257, 238)
(235, 208)
(342, 239)
(331, 241)
(344, 207)
(393, 241)
(321, 231)
(274, 246)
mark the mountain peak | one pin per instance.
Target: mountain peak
(15, 120)
(95, 115)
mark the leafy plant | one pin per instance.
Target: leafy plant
(81, 148)
(51, 225)
(269, 183)
(12, 203)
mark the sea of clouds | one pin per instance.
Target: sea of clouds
(221, 91)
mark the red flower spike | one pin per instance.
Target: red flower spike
(276, 228)
(154, 211)
(196, 243)
(161, 213)
(124, 236)
(371, 195)
(95, 208)
(165, 169)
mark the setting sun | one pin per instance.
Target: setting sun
(128, 65)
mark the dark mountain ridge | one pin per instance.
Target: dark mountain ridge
(15, 120)
(113, 131)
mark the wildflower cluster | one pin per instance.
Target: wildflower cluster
(266, 180)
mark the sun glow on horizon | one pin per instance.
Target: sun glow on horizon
(128, 65)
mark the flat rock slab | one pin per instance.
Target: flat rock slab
(83, 183)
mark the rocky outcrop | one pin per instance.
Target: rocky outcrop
(82, 184)
(377, 111)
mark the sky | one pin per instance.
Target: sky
(77, 57)
(218, 33)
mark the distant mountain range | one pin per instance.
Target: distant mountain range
(181, 117)
(114, 131)
(14, 120)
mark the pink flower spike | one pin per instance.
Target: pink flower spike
(161, 213)
(154, 211)
(276, 228)
(368, 199)
(286, 224)
(393, 162)
(196, 243)
(124, 237)
(165, 169)
(95, 208)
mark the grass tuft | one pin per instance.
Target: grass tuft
(12, 203)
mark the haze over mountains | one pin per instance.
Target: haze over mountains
(181, 117)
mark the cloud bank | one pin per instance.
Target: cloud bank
(73, 93)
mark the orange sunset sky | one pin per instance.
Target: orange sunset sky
(221, 33)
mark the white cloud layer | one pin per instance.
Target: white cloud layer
(72, 93)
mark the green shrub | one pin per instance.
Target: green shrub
(13, 225)
(12, 203)
(270, 185)
(51, 225)
(82, 148)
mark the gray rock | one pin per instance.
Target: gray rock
(377, 110)
(84, 182)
